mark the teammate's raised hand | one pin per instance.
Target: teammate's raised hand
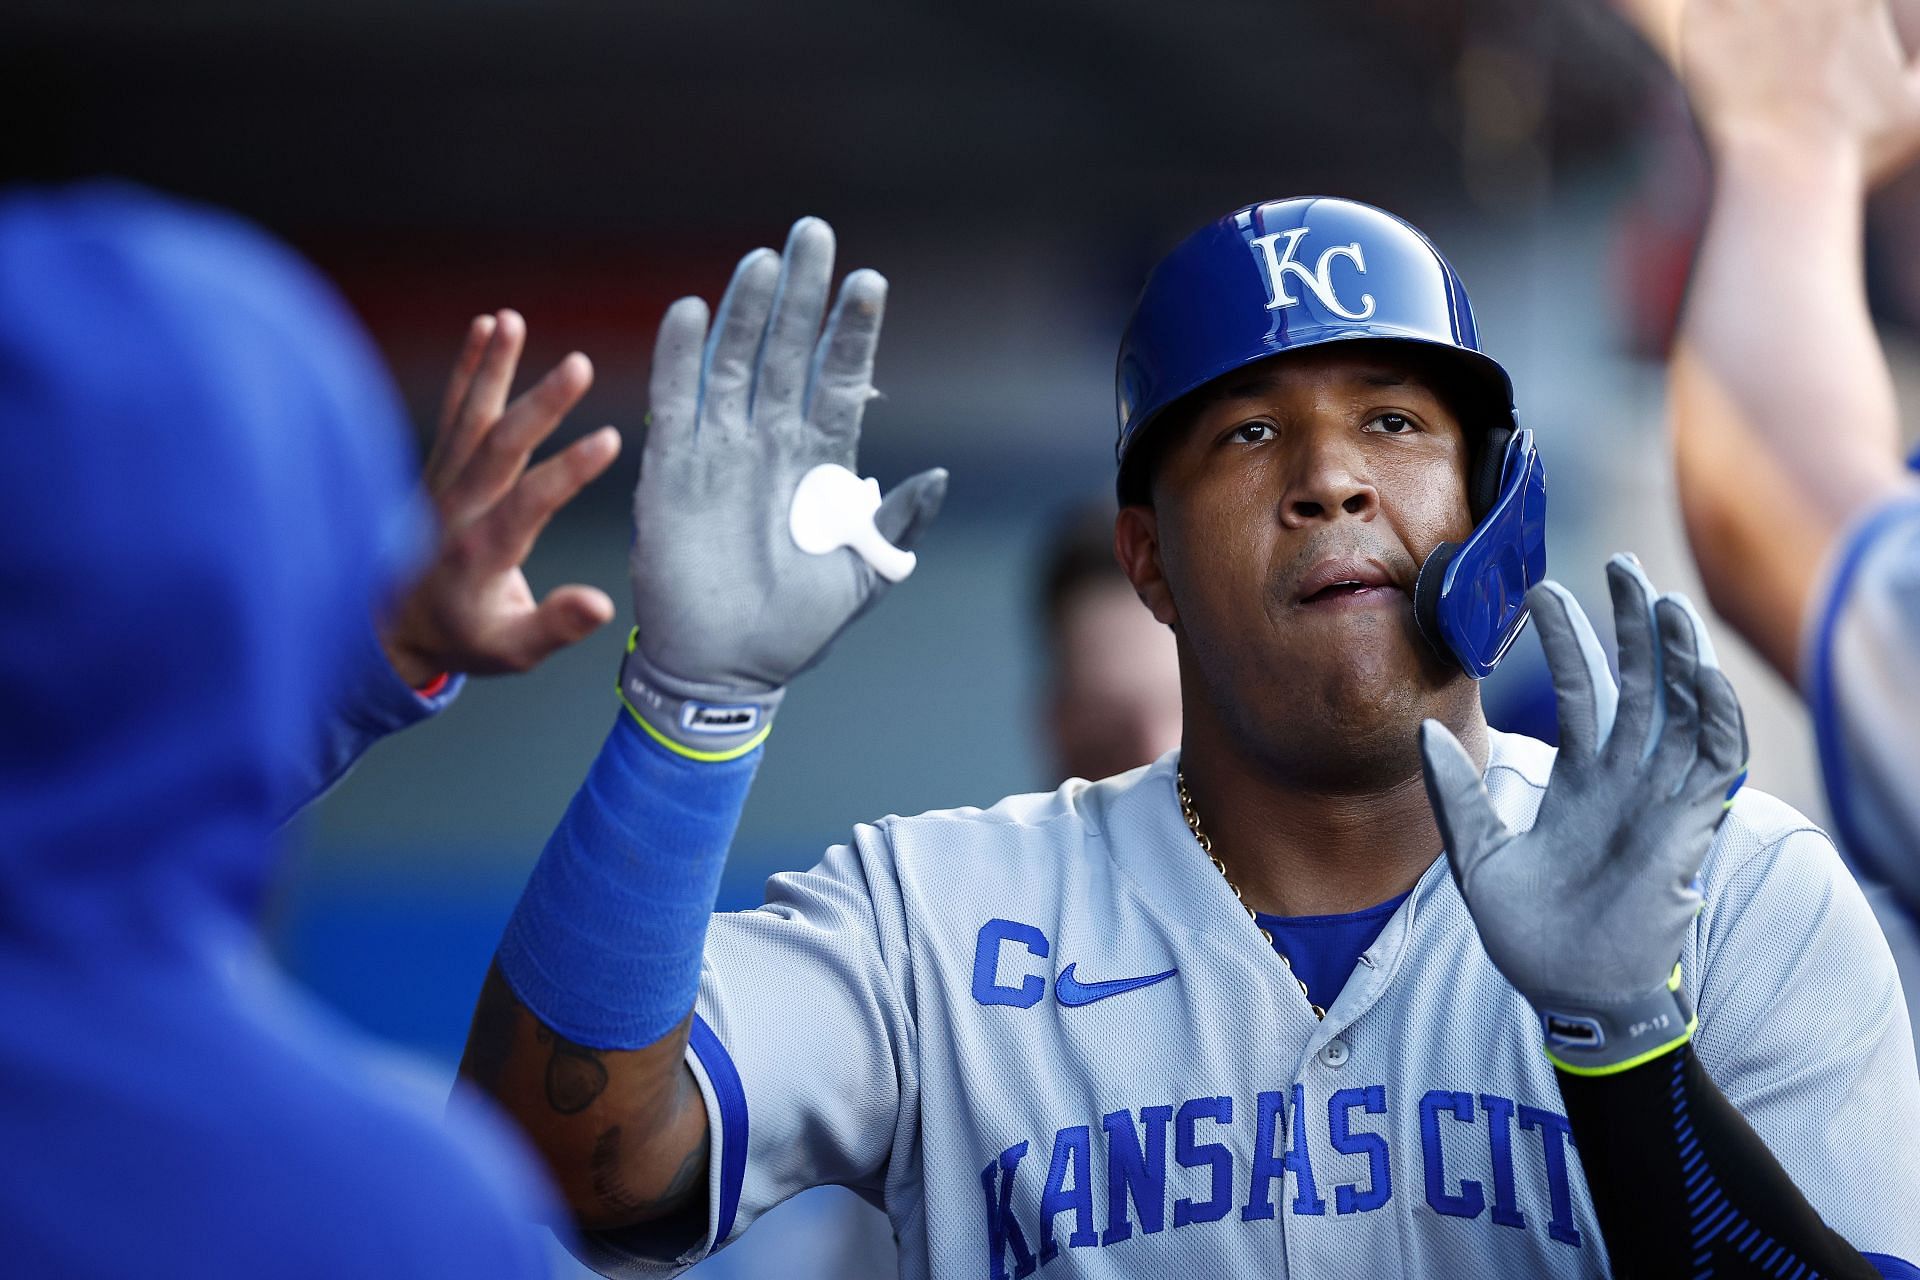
(472, 611)
(1795, 74)
(1586, 912)
(728, 605)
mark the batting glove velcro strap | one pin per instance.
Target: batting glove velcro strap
(705, 723)
(1590, 1041)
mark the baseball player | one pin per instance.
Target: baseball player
(1805, 521)
(1228, 1013)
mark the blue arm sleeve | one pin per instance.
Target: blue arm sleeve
(372, 703)
(605, 944)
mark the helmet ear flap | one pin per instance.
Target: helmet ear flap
(1426, 596)
(1484, 471)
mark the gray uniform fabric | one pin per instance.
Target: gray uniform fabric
(1862, 680)
(899, 1020)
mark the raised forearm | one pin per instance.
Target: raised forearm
(1759, 543)
(623, 1132)
(583, 1028)
(1783, 411)
(1778, 317)
(582, 1024)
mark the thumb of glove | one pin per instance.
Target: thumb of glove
(907, 511)
(1464, 811)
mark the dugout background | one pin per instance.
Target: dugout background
(1014, 169)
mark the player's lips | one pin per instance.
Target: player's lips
(1342, 582)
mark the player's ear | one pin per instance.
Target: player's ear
(1136, 545)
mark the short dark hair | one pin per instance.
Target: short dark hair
(1077, 556)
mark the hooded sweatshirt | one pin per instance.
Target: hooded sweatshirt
(204, 491)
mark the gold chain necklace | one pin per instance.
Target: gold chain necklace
(1206, 847)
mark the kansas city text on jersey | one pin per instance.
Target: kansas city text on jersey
(1215, 1159)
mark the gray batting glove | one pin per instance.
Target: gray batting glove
(1586, 912)
(727, 605)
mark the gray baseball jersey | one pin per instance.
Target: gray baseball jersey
(1046, 1038)
(1862, 679)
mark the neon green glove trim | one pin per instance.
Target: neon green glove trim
(645, 682)
(1639, 1059)
(705, 757)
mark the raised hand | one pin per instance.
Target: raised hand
(472, 610)
(1821, 74)
(728, 606)
(1586, 912)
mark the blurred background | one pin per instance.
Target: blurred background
(1014, 169)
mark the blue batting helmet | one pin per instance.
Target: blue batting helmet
(1289, 274)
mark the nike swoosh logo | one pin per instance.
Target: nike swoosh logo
(1073, 993)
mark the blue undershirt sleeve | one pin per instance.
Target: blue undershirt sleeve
(373, 702)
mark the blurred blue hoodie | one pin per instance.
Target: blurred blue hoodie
(204, 489)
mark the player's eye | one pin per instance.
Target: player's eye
(1392, 424)
(1251, 432)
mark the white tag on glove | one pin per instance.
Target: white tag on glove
(834, 508)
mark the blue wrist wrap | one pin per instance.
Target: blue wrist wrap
(605, 944)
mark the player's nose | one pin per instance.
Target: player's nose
(1327, 482)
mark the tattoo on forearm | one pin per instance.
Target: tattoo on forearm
(490, 1037)
(575, 1074)
(607, 1184)
(615, 1196)
(692, 1169)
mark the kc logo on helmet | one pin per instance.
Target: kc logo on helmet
(1280, 264)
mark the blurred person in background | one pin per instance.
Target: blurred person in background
(206, 500)
(1802, 513)
(1112, 699)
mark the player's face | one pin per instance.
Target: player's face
(1291, 513)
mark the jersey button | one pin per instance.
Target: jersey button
(1334, 1053)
